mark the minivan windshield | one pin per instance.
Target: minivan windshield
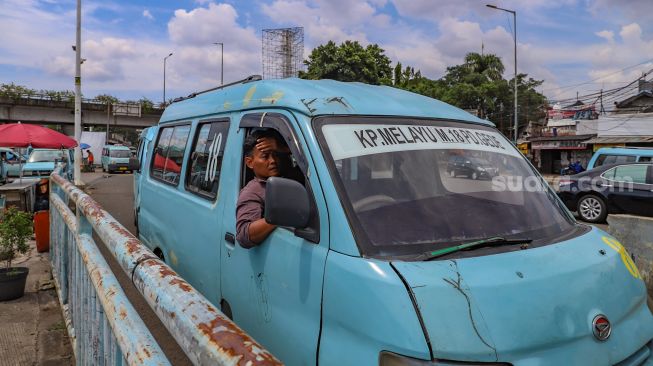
(119, 153)
(411, 186)
(39, 156)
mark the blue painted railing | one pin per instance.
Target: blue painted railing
(102, 324)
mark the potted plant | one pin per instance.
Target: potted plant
(15, 229)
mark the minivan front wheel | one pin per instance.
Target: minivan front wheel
(592, 208)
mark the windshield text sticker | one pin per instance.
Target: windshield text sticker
(346, 141)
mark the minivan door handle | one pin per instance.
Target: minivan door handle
(230, 238)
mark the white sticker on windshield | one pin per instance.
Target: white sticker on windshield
(347, 141)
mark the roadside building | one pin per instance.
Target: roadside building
(629, 124)
(557, 144)
(573, 133)
(552, 153)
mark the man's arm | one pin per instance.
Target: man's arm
(259, 230)
(251, 228)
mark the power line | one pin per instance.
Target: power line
(599, 78)
(614, 93)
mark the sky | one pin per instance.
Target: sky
(573, 45)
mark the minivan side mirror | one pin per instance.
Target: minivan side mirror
(286, 203)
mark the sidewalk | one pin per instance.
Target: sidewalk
(32, 329)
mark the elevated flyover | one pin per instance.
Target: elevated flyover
(44, 110)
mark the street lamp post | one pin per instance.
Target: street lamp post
(77, 171)
(514, 18)
(221, 61)
(164, 78)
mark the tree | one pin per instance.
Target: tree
(147, 105)
(478, 85)
(348, 62)
(15, 92)
(106, 99)
(490, 66)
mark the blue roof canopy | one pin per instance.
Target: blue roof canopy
(316, 98)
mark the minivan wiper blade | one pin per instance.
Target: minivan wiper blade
(494, 241)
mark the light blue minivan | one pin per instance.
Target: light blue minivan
(381, 257)
(620, 155)
(116, 158)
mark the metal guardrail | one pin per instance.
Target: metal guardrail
(103, 325)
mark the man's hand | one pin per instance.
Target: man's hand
(266, 145)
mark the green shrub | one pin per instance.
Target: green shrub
(15, 229)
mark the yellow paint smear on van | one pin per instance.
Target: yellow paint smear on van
(226, 105)
(173, 258)
(273, 98)
(249, 95)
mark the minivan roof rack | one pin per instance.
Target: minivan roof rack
(246, 80)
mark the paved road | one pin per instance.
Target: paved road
(114, 192)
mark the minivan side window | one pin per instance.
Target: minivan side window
(168, 158)
(614, 159)
(206, 158)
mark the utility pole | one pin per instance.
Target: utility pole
(221, 61)
(602, 111)
(78, 96)
(108, 119)
(164, 78)
(514, 17)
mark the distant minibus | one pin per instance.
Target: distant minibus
(620, 155)
(381, 256)
(116, 158)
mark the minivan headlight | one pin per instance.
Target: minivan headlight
(393, 359)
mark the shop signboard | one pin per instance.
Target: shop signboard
(523, 147)
(558, 145)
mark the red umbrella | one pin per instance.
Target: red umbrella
(25, 135)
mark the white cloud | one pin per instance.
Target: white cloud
(203, 26)
(133, 63)
(323, 20)
(634, 10)
(430, 10)
(631, 34)
(442, 9)
(607, 35)
(196, 63)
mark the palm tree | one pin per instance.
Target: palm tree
(488, 65)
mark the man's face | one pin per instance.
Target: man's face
(264, 163)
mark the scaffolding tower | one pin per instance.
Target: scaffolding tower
(283, 51)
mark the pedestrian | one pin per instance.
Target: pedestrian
(90, 158)
(42, 202)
